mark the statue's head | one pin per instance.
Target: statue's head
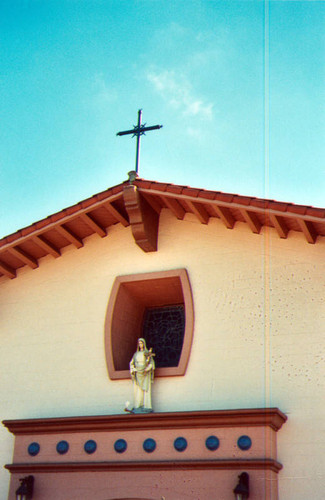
(141, 344)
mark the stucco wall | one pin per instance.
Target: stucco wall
(258, 336)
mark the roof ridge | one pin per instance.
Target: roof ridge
(176, 189)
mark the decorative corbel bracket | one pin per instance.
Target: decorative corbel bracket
(143, 218)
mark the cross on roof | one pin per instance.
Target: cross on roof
(137, 131)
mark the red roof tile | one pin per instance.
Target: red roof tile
(265, 204)
(41, 223)
(297, 209)
(187, 191)
(316, 212)
(225, 197)
(57, 216)
(242, 200)
(100, 196)
(208, 195)
(159, 187)
(117, 189)
(13, 237)
(27, 230)
(87, 203)
(275, 205)
(172, 188)
(72, 210)
(143, 183)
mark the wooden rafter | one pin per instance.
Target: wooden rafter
(225, 215)
(252, 221)
(174, 206)
(24, 257)
(7, 270)
(280, 225)
(116, 214)
(69, 235)
(88, 219)
(309, 230)
(199, 211)
(152, 202)
(46, 245)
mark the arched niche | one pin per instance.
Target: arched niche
(130, 298)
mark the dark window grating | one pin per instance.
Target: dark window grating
(163, 329)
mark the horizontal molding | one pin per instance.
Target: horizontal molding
(227, 464)
(271, 417)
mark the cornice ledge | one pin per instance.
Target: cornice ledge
(271, 417)
(221, 464)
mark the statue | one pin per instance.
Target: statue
(142, 367)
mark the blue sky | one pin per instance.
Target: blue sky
(237, 85)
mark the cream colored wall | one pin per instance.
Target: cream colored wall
(259, 328)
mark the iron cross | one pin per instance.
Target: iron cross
(137, 131)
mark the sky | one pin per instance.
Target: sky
(237, 85)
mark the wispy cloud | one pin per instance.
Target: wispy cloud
(178, 92)
(195, 132)
(102, 93)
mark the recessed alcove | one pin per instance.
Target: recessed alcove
(132, 298)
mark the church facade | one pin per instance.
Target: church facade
(229, 292)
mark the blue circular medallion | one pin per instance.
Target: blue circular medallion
(120, 445)
(149, 445)
(244, 443)
(90, 446)
(62, 447)
(33, 449)
(180, 444)
(212, 443)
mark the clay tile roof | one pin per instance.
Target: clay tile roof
(87, 203)
(117, 189)
(72, 210)
(225, 197)
(159, 187)
(187, 191)
(275, 205)
(208, 195)
(260, 203)
(242, 200)
(41, 223)
(13, 237)
(171, 188)
(58, 216)
(297, 209)
(316, 212)
(26, 230)
(98, 197)
(49, 227)
(144, 184)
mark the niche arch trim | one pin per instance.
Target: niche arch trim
(131, 295)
